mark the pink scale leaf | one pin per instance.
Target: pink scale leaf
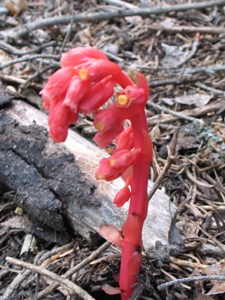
(111, 234)
(110, 290)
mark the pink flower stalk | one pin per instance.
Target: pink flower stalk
(84, 83)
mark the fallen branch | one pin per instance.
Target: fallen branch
(188, 29)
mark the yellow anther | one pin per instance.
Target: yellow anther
(83, 74)
(100, 126)
(100, 176)
(111, 162)
(123, 100)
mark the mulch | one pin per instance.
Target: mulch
(180, 47)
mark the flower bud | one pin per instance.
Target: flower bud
(126, 139)
(104, 138)
(123, 158)
(56, 87)
(75, 93)
(122, 196)
(97, 95)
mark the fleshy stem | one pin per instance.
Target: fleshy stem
(138, 207)
(131, 248)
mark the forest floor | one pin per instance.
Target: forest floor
(180, 47)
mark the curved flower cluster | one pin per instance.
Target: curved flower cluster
(84, 83)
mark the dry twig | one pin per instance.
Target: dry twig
(187, 114)
(176, 81)
(178, 115)
(31, 57)
(15, 284)
(12, 50)
(209, 89)
(17, 80)
(190, 279)
(59, 279)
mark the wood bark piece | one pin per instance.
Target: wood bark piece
(55, 183)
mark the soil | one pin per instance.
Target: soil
(180, 47)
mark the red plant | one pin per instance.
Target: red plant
(84, 83)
